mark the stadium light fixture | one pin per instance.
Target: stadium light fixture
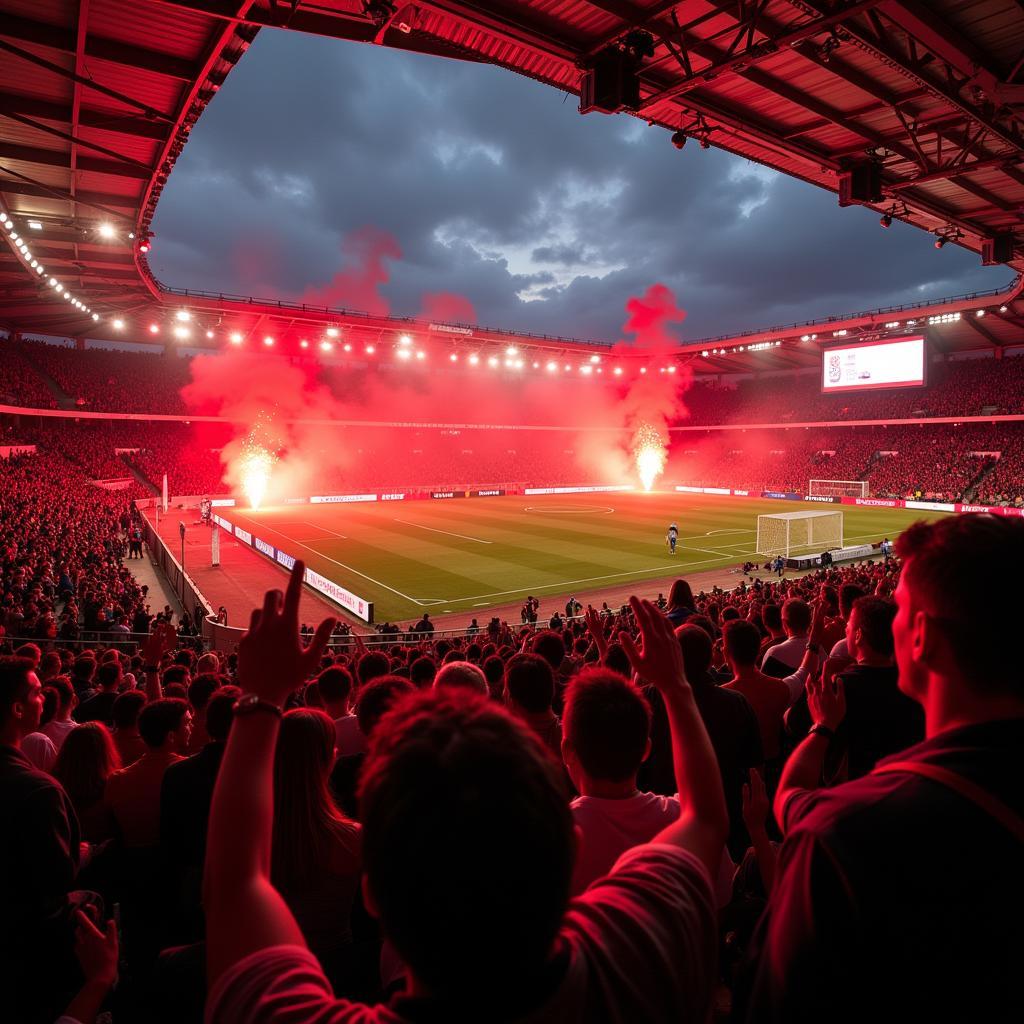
(268, 341)
(421, 354)
(154, 328)
(492, 361)
(1002, 309)
(536, 365)
(453, 357)
(980, 313)
(671, 369)
(586, 369)
(643, 369)
(347, 347)
(144, 246)
(332, 332)
(106, 230)
(303, 343)
(40, 269)
(118, 325)
(209, 334)
(236, 338)
(618, 370)
(404, 353)
(181, 333)
(568, 368)
(369, 350)
(519, 364)
(679, 138)
(36, 225)
(511, 350)
(552, 366)
(95, 316)
(183, 315)
(325, 346)
(405, 340)
(474, 359)
(595, 359)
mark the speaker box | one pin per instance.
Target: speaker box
(996, 250)
(861, 184)
(611, 84)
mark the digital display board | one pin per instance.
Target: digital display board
(870, 365)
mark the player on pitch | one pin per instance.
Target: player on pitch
(673, 536)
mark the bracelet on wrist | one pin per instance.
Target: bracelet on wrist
(250, 703)
(819, 729)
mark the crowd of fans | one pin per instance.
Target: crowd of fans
(797, 800)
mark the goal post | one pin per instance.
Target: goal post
(798, 533)
(838, 488)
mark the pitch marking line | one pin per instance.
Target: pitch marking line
(308, 547)
(461, 536)
(341, 536)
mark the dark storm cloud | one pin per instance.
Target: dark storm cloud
(496, 189)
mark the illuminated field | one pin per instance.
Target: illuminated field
(468, 554)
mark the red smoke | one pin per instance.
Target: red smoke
(447, 307)
(358, 285)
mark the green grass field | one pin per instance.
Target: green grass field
(471, 554)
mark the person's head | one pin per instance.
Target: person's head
(461, 675)
(200, 690)
(306, 818)
(21, 699)
(377, 698)
(371, 665)
(529, 683)
(166, 724)
(220, 710)
(680, 595)
(82, 671)
(422, 672)
(87, 758)
(742, 643)
(848, 593)
(108, 676)
(66, 699)
(796, 617)
(208, 663)
(49, 666)
(958, 609)
(126, 709)
(771, 618)
(550, 646)
(32, 652)
(335, 689)
(468, 844)
(606, 728)
(695, 643)
(869, 629)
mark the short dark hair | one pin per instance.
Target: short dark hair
(377, 698)
(467, 841)
(680, 595)
(742, 641)
(529, 682)
(220, 711)
(160, 718)
(848, 593)
(83, 669)
(550, 646)
(125, 711)
(371, 665)
(65, 691)
(607, 721)
(14, 673)
(953, 569)
(874, 619)
(796, 613)
(335, 684)
(175, 674)
(771, 616)
(422, 672)
(202, 688)
(696, 647)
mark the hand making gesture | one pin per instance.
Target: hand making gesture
(596, 626)
(660, 661)
(272, 663)
(826, 701)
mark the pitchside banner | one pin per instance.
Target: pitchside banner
(782, 495)
(330, 499)
(356, 605)
(576, 490)
(829, 499)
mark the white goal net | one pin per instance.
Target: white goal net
(799, 533)
(838, 488)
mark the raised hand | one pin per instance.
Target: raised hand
(826, 702)
(660, 661)
(161, 640)
(596, 626)
(272, 663)
(95, 950)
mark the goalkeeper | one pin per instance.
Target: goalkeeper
(672, 537)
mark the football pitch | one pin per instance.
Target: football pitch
(471, 554)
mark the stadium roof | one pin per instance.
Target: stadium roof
(920, 106)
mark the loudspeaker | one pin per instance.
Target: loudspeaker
(997, 249)
(861, 184)
(611, 84)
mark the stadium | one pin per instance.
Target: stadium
(621, 562)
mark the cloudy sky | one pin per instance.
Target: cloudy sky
(363, 177)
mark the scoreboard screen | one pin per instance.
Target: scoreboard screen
(894, 363)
